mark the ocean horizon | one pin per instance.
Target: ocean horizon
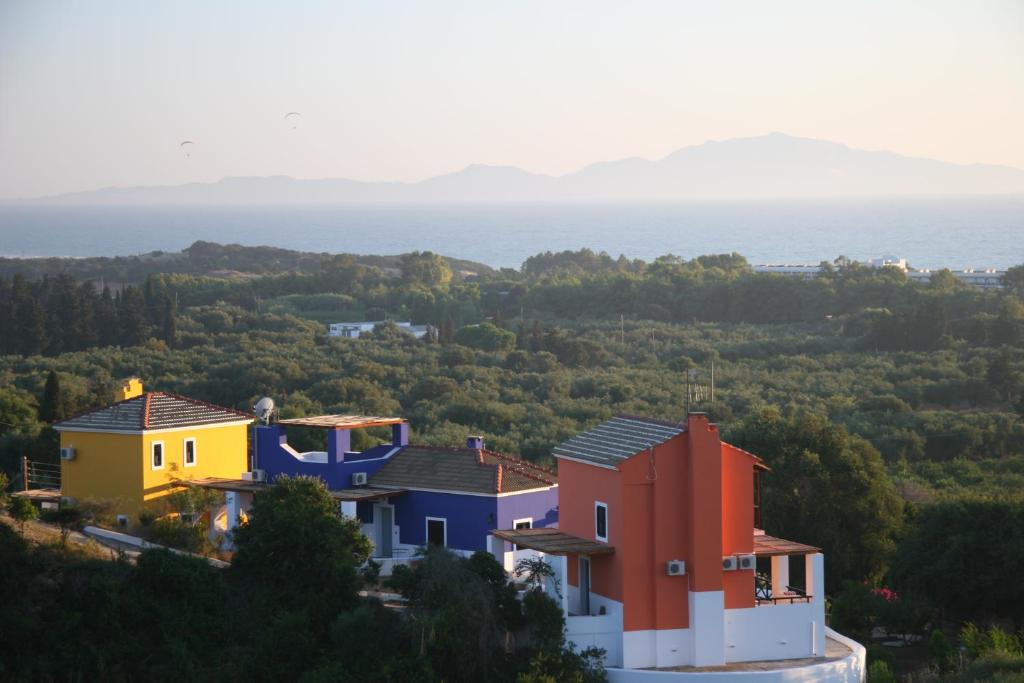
(930, 233)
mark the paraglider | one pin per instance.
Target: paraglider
(294, 118)
(187, 145)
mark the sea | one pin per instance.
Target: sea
(953, 233)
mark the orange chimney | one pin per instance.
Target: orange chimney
(704, 500)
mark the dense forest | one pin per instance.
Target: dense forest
(884, 407)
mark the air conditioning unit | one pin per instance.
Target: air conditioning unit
(67, 453)
(359, 478)
(729, 563)
(747, 561)
(258, 475)
(675, 568)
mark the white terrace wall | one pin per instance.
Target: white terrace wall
(772, 632)
(849, 669)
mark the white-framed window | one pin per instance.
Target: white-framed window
(188, 455)
(156, 457)
(524, 523)
(437, 531)
(601, 521)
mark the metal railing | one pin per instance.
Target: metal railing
(763, 592)
(42, 475)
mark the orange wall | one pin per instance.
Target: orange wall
(737, 523)
(656, 532)
(703, 504)
(584, 485)
(694, 503)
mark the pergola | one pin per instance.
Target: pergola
(553, 542)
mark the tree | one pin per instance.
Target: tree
(131, 317)
(29, 319)
(979, 542)
(52, 406)
(425, 268)
(22, 510)
(67, 517)
(486, 337)
(1013, 280)
(295, 531)
(827, 488)
(169, 322)
(461, 629)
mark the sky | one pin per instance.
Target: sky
(102, 93)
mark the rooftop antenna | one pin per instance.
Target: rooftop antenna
(695, 391)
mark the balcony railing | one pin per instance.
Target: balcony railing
(763, 594)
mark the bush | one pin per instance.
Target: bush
(879, 672)
(175, 533)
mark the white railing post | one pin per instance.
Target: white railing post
(814, 565)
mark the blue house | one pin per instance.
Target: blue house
(410, 496)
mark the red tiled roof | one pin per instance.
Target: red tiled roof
(461, 469)
(152, 410)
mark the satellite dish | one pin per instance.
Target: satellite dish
(264, 408)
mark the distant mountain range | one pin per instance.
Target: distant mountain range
(768, 166)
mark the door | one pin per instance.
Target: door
(584, 585)
(385, 528)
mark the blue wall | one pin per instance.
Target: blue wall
(470, 518)
(336, 473)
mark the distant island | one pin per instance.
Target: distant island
(764, 167)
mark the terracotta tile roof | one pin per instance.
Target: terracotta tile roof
(617, 439)
(152, 410)
(461, 469)
(770, 545)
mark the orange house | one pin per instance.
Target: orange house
(657, 548)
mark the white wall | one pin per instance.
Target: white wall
(770, 632)
(707, 627)
(850, 669)
(657, 648)
(604, 632)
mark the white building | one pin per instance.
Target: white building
(355, 330)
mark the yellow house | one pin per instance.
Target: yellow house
(139, 449)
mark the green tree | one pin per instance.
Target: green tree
(1013, 280)
(980, 541)
(66, 517)
(425, 268)
(940, 652)
(295, 531)
(22, 510)
(827, 488)
(52, 406)
(486, 337)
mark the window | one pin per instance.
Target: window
(190, 452)
(526, 523)
(437, 531)
(158, 455)
(601, 521)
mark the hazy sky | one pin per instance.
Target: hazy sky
(101, 93)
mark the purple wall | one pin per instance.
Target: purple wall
(541, 505)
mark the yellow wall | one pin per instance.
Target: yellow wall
(106, 466)
(220, 452)
(119, 466)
